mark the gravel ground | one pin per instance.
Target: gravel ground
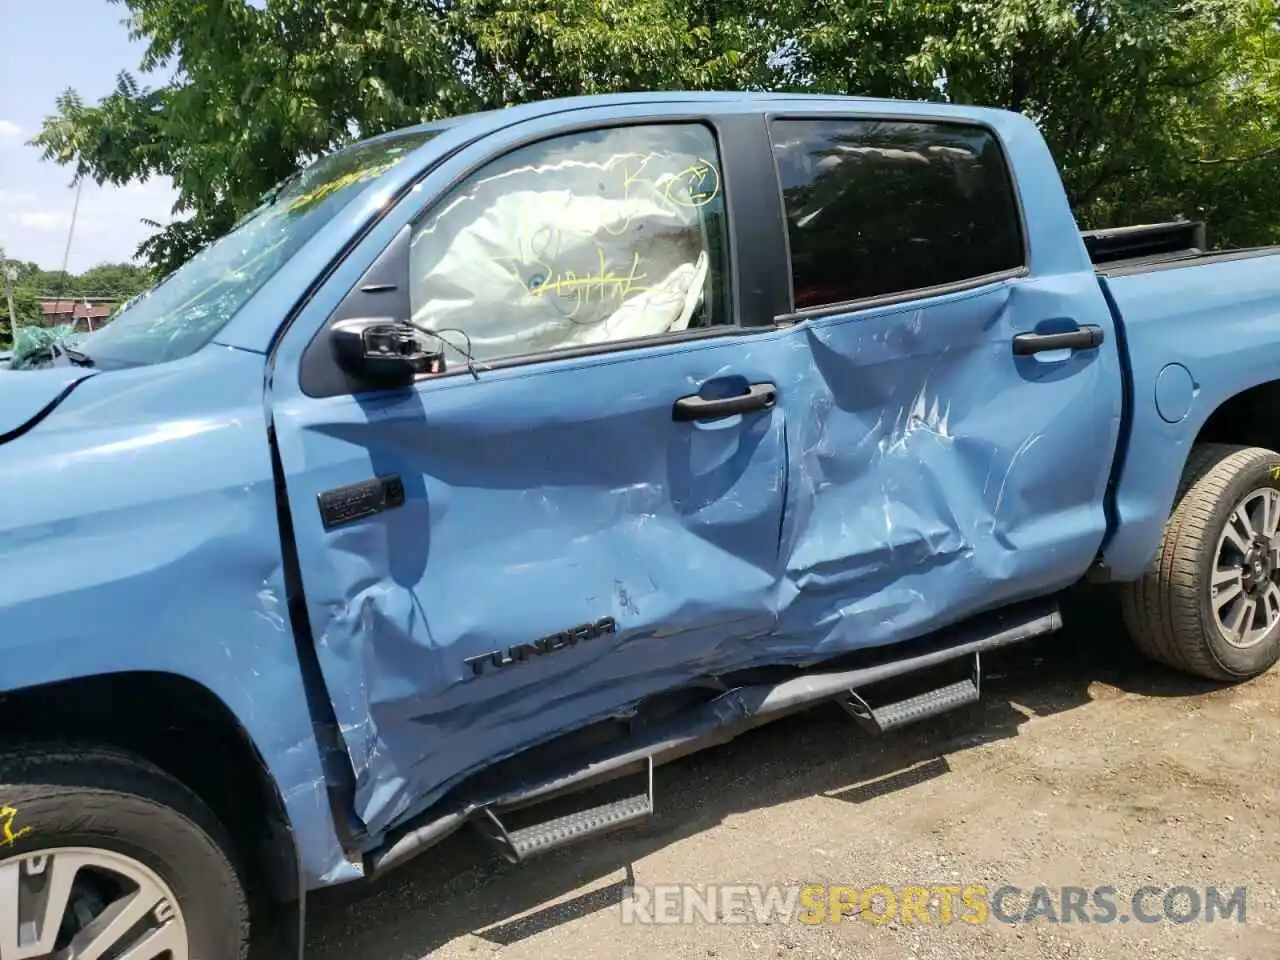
(1084, 765)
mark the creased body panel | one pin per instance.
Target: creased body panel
(912, 473)
(25, 395)
(934, 474)
(536, 500)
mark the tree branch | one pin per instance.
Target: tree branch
(1270, 152)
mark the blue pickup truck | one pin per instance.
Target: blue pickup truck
(492, 463)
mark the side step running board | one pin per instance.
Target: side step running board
(706, 725)
(931, 703)
(560, 831)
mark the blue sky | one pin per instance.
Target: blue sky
(51, 45)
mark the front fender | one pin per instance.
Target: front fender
(139, 533)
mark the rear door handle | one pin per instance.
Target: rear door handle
(1085, 338)
(759, 396)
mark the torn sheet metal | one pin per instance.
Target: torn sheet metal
(913, 472)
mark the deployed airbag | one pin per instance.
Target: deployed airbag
(568, 243)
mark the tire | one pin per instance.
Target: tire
(1169, 611)
(63, 805)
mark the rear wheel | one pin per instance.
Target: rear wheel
(103, 855)
(1209, 604)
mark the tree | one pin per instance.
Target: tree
(1133, 96)
(1152, 107)
(260, 90)
(1219, 156)
(118, 280)
(25, 303)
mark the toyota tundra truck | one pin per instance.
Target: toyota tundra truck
(493, 463)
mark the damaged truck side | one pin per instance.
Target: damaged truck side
(492, 463)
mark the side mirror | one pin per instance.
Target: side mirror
(366, 343)
(383, 351)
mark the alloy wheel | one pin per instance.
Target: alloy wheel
(79, 903)
(1245, 584)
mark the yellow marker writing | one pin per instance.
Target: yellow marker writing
(694, 186)
(9, 836)
(346, 180)
(602, 284)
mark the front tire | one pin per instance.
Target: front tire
(1209, 604)
(103, 853)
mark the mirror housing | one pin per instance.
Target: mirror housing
(383, 351)
(367, 344)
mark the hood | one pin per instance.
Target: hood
(27, 396)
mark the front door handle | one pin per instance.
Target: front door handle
(1084, 338)
(759, 396)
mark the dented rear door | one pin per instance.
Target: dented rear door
(946, 457)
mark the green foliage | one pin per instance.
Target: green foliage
(106, 280)
(118, 281)
(28, 309)
(1153, 108)
(121, 280)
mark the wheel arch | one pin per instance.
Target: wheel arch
(186, 730)
(1156, 460)
(1250, 417)
(1171, 611)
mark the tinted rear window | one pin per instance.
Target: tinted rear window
(876, 208)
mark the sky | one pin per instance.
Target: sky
(51, 45)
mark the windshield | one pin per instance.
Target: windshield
(186, 310)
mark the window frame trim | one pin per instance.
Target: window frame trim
(727, 128)
(797, 315)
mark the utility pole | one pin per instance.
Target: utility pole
(10, 274)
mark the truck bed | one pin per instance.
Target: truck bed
(1121, 251)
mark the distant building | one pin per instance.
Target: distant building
(85, 314)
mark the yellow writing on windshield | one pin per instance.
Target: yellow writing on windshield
(338, 183)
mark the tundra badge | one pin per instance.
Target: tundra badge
(497, 659)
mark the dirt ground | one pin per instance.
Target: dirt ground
(1084, 765)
